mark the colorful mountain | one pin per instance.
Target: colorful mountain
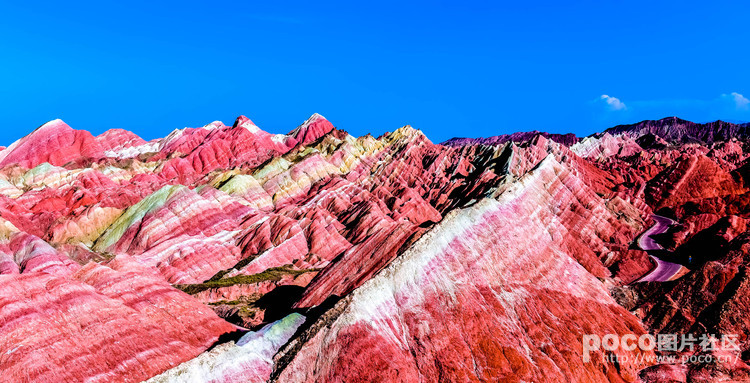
(229, 254)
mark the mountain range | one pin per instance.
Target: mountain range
(228, 254)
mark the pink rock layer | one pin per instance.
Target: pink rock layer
(100, 324)
(452, 262)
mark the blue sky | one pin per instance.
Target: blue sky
(449, 69)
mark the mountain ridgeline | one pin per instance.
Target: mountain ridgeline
(225, 253)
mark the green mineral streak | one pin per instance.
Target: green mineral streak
(239, 184)
(44, 167)
(291, 320)
(297, 156)
(134, 214)
(272, 168)
(272, 274)
(222, 178)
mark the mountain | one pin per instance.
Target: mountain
(226, 253)
(565, 139)
(676, 129)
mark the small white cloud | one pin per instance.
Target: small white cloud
(613, 103)
(740, 101)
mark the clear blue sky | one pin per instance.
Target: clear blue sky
(449, 69)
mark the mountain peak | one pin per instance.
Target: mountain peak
(244, 122)
(54, 142)
(312, 129)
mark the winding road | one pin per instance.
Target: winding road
(664, 271)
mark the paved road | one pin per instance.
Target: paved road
(664, 271)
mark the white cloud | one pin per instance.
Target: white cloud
(740, 101)
(613, 103)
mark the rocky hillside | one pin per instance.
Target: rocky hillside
(565, 139)
(674, 129)
(229, 254)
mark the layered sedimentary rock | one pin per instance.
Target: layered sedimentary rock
(603, 146)
(467, 302)
(689, 179)
(695, 174)
(565, 139)
(120, 322)
(227, 253)
(54, 142)
(249, 360)
(679, 130)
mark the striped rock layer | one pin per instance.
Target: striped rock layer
(226, 253)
